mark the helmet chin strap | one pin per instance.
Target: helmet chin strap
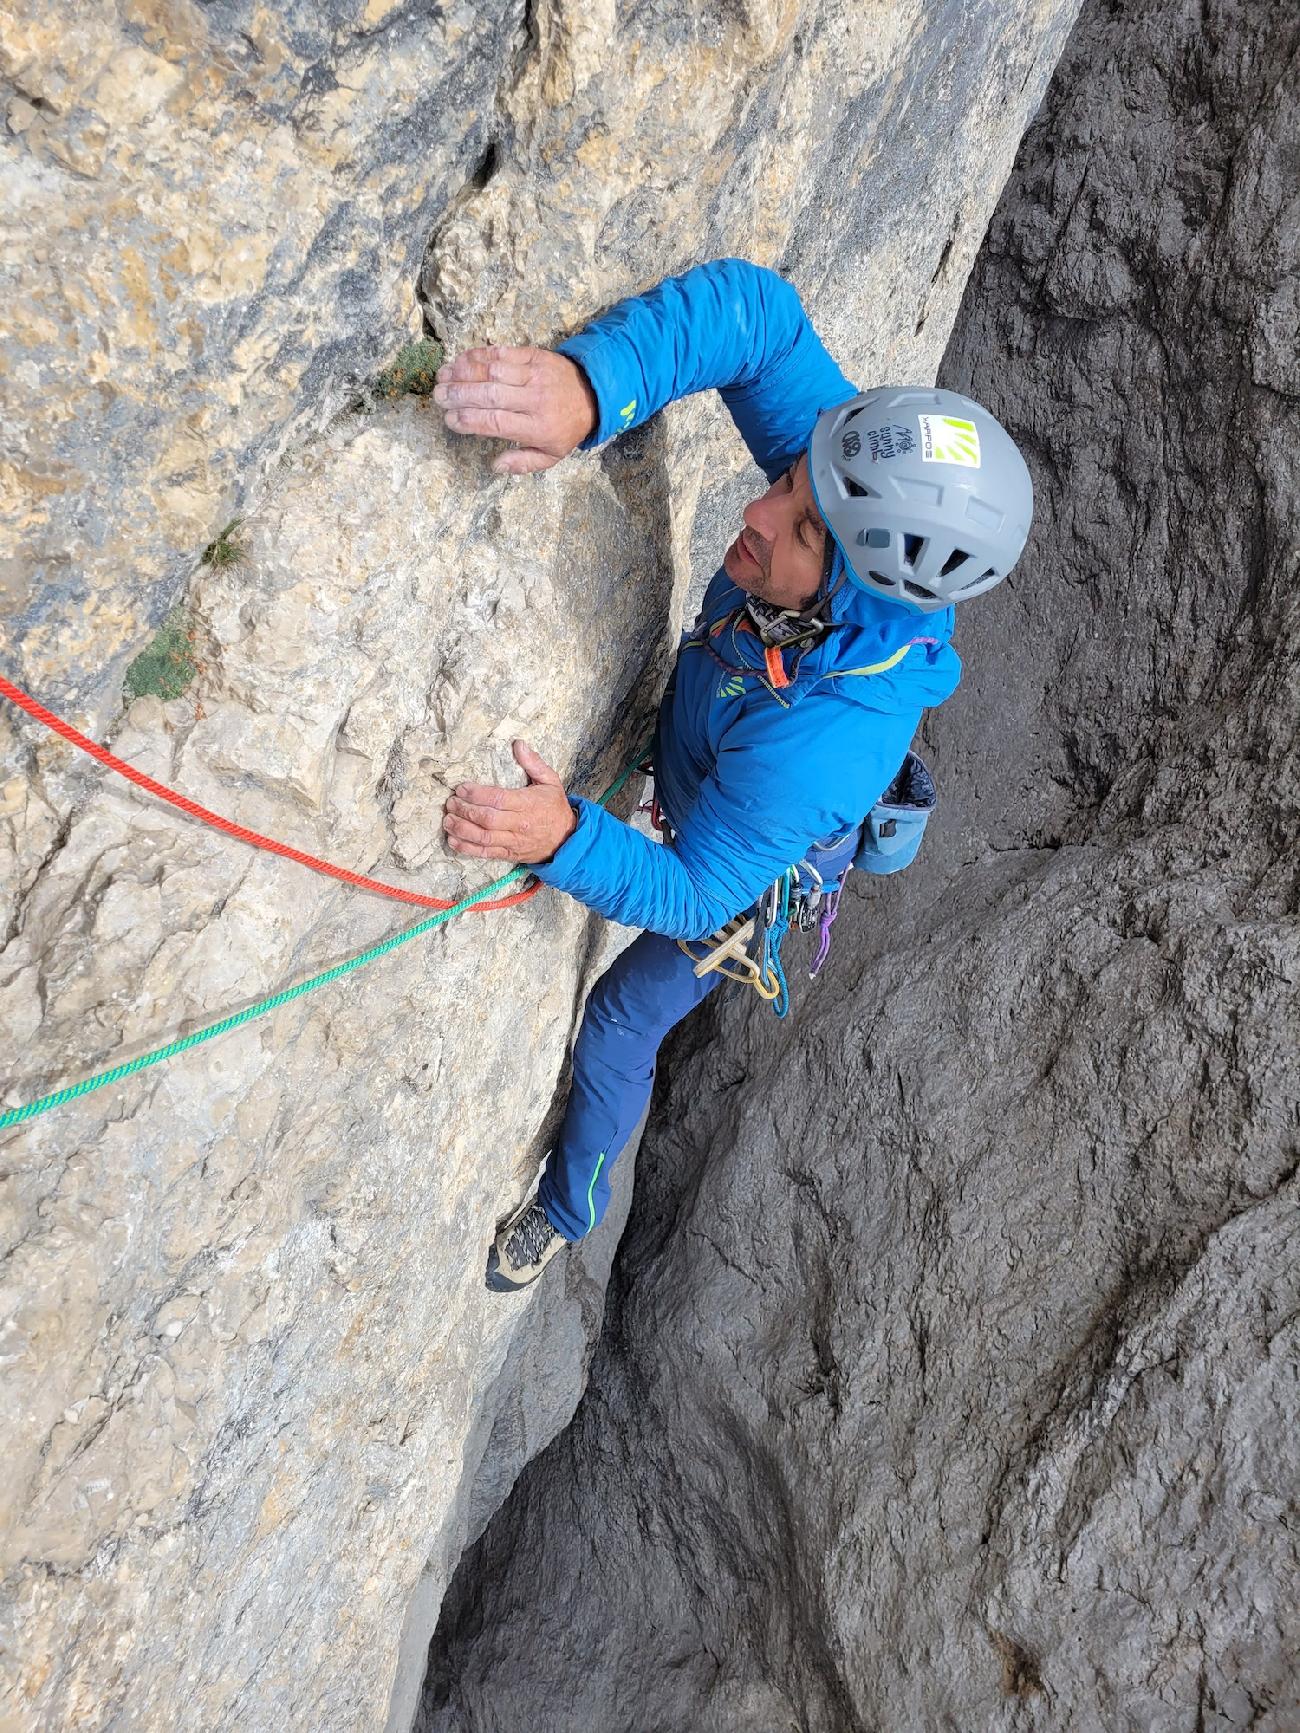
(790, 625)
(817, 613)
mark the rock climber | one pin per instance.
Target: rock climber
(820, 642)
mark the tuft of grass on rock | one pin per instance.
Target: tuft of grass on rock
(225, 549)
(166, 668)
(412, 373)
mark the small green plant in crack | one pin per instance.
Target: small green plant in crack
(413, 374)
(166, 668)
(225, 549)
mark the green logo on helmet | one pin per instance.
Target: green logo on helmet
(948, 439)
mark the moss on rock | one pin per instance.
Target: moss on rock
(167, 666)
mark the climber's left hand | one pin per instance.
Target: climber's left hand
(516, 824)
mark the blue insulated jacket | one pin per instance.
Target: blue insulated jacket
(748, 772)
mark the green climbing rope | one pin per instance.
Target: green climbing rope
(59, 1097)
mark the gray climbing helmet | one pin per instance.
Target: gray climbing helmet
(925, 493)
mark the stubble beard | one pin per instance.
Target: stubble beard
(754, 579)
(759, 583)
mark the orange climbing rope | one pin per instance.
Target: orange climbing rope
(183, 803)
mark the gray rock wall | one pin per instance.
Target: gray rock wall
(951, 1369)
(256, 1395)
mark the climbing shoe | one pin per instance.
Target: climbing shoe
(524, 1245)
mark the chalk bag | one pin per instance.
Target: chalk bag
(895, 825)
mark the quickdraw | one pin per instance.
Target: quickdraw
(729, 952)
(748, 947)
(772, 923)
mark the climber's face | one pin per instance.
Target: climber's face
(778, 555)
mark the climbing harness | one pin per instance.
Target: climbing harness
(748, 948)
(447, 909)
(807, 895)
(727, 952)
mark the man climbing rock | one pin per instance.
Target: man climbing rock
(820, 642)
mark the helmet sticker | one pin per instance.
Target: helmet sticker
(948, 439)
(890, 441)
(885, 442)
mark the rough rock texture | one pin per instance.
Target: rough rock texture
(950, 1378)
(215, 217)
(257, 1396)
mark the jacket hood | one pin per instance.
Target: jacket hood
(867, 629)
(865, 632)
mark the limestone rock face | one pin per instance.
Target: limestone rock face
(950, 1375)
(257, 1396)
(215, 217)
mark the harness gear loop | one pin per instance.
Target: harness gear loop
(748, 948)
(727, 952)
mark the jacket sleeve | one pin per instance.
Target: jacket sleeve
(756, 814)
(728, 326)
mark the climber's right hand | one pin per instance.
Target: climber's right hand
(540, 401)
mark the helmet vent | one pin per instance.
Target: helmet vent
(880, 578)
(975, 583)
(918, 590)
(956, 558)
(913, 548)
(855, 489)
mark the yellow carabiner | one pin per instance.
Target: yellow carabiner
(726, 952)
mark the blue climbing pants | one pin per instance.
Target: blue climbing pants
(647, 989)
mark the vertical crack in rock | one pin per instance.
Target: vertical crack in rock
(434, 316)
(949, 1376)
